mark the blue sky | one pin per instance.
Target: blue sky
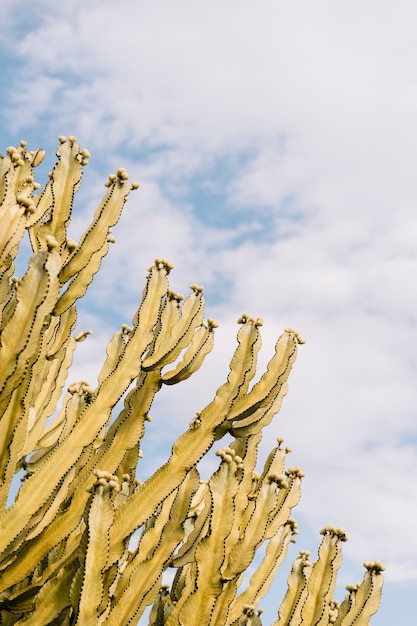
(275, 144)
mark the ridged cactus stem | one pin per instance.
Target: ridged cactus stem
(83, 542)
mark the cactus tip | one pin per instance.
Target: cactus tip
(297, 336)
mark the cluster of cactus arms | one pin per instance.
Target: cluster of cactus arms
(82, 541)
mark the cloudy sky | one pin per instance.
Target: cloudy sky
(276, 147)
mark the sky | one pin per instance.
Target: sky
(276, 146)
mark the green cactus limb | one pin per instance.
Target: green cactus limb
(85, 261)
(17, 207)
(243, 551)
(59, 429)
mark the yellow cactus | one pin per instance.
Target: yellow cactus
(66, 554)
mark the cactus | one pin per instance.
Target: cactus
(68, 553)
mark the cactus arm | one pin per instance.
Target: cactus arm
(43, 204)
(106, 215)
(12, 212)
(12, 225)
(20, 339)
(9, 458)
(145, 319)
(33, 493)
(202, 344)
(243, 551)
(262, 578)
(182, 584)
(322, 580)
(65, 181)
(59, 332)
(126, 432)
(54, 204)
(110, 456)
(363, 599)
(200, 526)
(290, 610)
(48, 377)
(269, 507)
(223, 603)
(34, 551)
(114, 351)
(85, 261)
(139, 583)
(151, 537)
(263, 415)
(170, 314)
(78, 286)
(100, 517)
(210, 552)
(247, 449)
(46, 401)
(167, 350)
(73, 405)
(7, 289)
(274, 465)
(270, 384)
(190, 446)
(161, 609)
(52, 598)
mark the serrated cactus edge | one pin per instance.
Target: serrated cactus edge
(83, 541)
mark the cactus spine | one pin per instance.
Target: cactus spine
(66, 550)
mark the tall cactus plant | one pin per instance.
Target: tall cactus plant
(83, 541)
